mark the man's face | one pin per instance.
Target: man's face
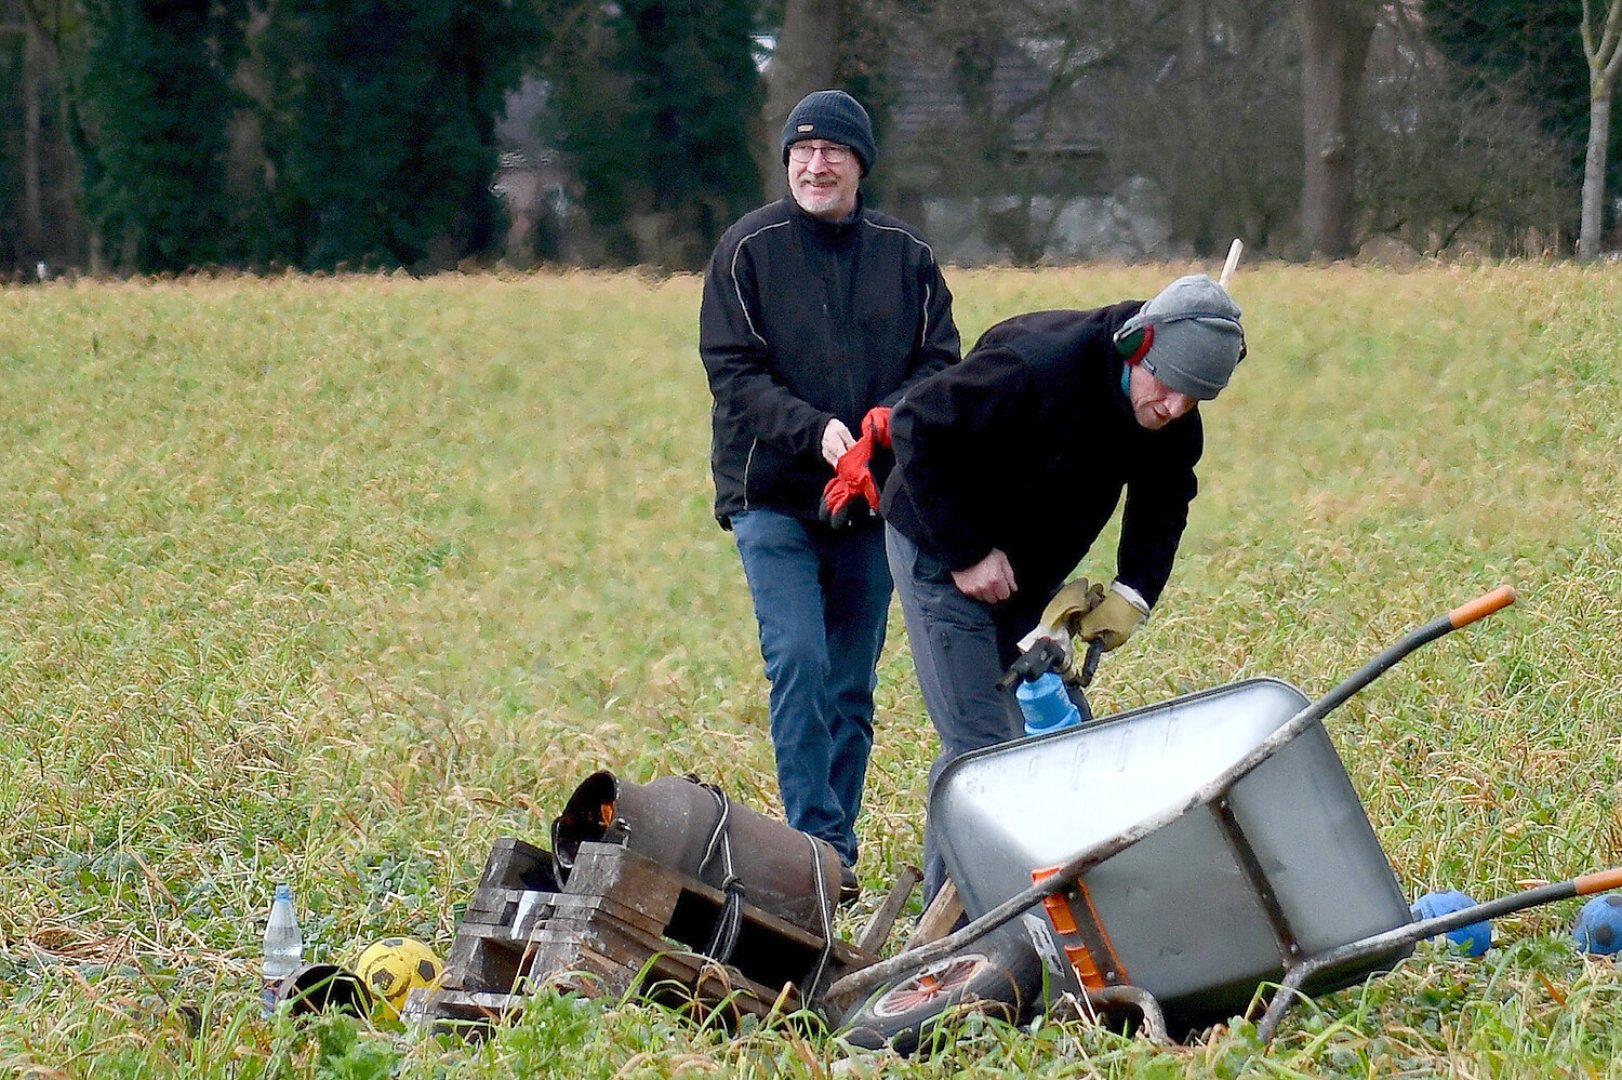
(824, 188)
(1153, 402)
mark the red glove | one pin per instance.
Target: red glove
(853, 494)
(876, 425)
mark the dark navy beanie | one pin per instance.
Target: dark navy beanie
(833, 115)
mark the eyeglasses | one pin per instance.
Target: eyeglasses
(832, 153)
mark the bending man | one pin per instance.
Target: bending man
(1008, 466)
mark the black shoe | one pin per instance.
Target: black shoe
(850, 889)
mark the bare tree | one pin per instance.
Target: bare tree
(1604, 52)
(31, 226)
(806, 58)
(35, 65)
(1335, 47)
(1206, 130)
(1447, 158)
(51, 203)
(807, 53)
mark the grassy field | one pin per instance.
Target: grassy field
(335, 581)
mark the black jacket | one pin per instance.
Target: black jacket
(804, 320)
(1026, 446)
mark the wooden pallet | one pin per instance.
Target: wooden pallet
(622, 924)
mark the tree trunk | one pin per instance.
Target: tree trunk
(35, 63)
(1335, 42)
(806, 59)
(55, 168)
(1604, 57)
(1599, 135)
(98, 252)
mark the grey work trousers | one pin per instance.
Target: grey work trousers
(960, 648)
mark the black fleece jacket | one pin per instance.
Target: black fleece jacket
(1027, 445)
(804, 320)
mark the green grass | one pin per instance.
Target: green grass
(335, 581)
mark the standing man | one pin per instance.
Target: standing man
(1007, 467)
(817, 311)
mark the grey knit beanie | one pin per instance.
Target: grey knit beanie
(836, 116)
(1197, 341)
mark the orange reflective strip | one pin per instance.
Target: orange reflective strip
(1064, 920)
(1086, 967)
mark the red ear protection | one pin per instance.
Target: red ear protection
(1134, 345)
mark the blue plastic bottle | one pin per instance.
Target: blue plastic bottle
(1046, 705)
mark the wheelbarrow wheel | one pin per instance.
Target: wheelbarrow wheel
(1000, 975)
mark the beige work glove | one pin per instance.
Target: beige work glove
(1112, 621)
(1065, 611)
(1061, 619)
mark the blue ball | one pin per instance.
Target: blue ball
(1599, 925)
(1473, 939)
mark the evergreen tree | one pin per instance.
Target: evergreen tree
(655, 103)
(154, 102)
(382, 127)
(11, 126)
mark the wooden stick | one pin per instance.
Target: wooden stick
(878, 930)
(938, 918)
(1234, 251)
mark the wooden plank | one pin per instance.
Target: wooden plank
(478, 964)
(712, 988)
(623, 945)
(623, 921)
(505, 907)
(558, 962)
(633, 949)
(614, 871)
(490, 944)
(587, 970)
(490, 955)
(633, 879)
(579, 906)
(514, 864)
(575, 908)
(938, 918)
(883, 921)
(431, 1003)
(633, 944)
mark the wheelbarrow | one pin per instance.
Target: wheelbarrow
(1182, 860)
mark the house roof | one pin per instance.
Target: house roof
(1027, 93)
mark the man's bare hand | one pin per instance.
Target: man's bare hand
(836, 439)
(991, 580)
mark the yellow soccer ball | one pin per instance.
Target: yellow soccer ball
(395, 966)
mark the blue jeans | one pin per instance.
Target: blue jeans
(821, 599)
(960, 648)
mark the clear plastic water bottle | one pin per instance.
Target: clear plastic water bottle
(284, 945)
(1046, 705)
